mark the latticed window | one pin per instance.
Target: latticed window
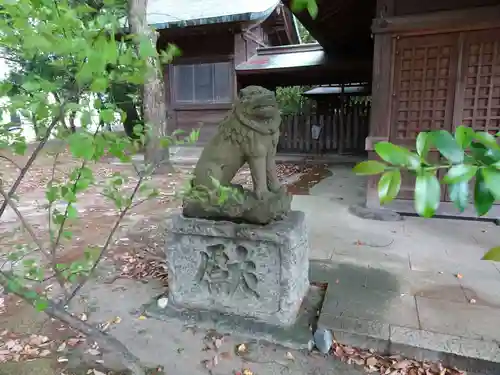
(424, 85)
(431, 90)
(481, 81)
(203, 83)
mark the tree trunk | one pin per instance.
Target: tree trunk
(155, 109)
(72, 121)
(126, 104)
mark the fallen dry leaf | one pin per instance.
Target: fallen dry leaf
(74, 341)
(94, 352)
(403, 364)
(225, 355)
(247, 372)
(372, 361)
(389, 365)
(218, 343)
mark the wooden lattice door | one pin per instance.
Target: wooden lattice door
(477, 102)
(478, 94)
(425, 69)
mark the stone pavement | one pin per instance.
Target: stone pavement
(416, 286)
(182, 349)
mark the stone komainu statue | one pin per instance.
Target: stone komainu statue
(248, 134)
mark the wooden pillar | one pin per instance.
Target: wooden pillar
(380, 114)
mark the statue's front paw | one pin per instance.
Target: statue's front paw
(262, 194)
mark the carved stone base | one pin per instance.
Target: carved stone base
(253, 271)
(251, 210)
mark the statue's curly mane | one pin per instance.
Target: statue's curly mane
(238, 128)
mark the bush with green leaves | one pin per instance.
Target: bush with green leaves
(471, 160)
(84, 45)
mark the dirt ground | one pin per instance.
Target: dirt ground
(30, 338)
(32, 343)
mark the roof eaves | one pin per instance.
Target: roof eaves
(242, 17)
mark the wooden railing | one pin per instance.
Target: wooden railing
(333, 131)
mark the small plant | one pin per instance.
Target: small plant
(469, 158)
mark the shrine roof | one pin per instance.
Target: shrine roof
(163, 14)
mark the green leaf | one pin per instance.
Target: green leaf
(369, 167)
(460, 173)
(484, 154)
(193, 136)
(31, 85)
(72, 212)
(57, 217)
(464, 136)
(29, 263)
(20, 147)
(423, 144)
(299, 5)
(99, 85)
(52, 194)
(81, 145)
(492, 254)
(146, 48)
(86, 118)
(397, 155)
(86, 173)
(487, 139)
(459, 195)
(92, 253)
(448, 146)
(312, 8)
(172, 51)
(67, 234)
(389, 185)
(69, 196)
(492, 181)
(427, 194)
(107, 115)
(14, 256)
(483, 199)
(41, 304)
(30, 294)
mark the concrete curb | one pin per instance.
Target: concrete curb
(453, 351)
(482, 356)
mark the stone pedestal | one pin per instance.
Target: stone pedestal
(252, 271)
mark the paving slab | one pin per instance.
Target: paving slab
(296, 336)
(180, 347)
(484, 292)
(420, 314)
(459, 319)
(369, 304)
